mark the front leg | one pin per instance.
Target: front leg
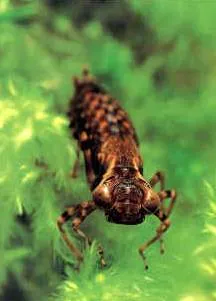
(157, 177)
(163, 214)
(77, 213)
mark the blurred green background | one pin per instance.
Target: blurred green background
(158, 57)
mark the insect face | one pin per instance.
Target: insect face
(127, 204)
(126, 197)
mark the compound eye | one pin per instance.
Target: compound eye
(102, 196)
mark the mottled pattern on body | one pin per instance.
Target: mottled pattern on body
(103, 129)
(114, 171)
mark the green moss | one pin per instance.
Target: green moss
(175, 119)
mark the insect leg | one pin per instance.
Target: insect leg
(75, 225)
(75, 169)
(157, 177)
(160, 230)
(78, 213)
(89, 168)
(163, 215)
(164, 194)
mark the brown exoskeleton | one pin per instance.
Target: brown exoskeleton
(113, 164)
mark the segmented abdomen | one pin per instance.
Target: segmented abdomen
(95, 117)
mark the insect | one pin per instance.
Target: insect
(114, 167)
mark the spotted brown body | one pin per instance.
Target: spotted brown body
(102, 129)
(113, 164)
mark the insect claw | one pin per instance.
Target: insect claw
(162, 250)
(145, 263)
(144, 259)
